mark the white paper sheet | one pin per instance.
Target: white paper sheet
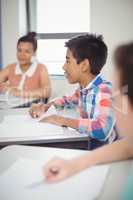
(19, 182)
(25, 126)
(26, 118)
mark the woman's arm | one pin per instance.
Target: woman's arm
(4, 78)
(4, 74)
(58, 169)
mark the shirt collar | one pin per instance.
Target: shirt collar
(94, 83)
(30, 70)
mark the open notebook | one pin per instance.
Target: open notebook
(24, 181)
(25, 126)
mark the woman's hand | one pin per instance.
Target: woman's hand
(15, 92)
(4, 87)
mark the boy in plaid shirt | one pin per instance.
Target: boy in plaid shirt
(85, 57)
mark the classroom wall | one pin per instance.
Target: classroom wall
(13, 25)
(10, 30)
(112, 18)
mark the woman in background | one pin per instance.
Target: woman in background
(26, 78)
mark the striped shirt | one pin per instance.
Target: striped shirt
(95, 107)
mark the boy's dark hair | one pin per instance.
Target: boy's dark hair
(30, 37)
(91, 47)
(123, 57)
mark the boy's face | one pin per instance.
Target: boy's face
(71, 68)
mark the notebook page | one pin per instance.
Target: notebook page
(16, 183)
(25, 126)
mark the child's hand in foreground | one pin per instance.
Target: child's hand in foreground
(58, 169)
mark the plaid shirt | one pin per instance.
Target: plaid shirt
(95, 106)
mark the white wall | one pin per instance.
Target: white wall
(13, 25)
(10, 30)
(112, 18)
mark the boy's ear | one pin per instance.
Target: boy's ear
(85, 65)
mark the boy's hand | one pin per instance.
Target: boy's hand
(54, 119)
(58, 169)
(37, 110)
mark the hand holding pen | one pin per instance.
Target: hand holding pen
(58, 169)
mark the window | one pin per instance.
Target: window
(57, 21)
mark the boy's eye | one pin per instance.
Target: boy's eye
(28, 51)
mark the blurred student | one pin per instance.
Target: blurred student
(27, 77)
(85, 57)
(122, 149)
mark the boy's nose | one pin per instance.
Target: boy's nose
(63, 67)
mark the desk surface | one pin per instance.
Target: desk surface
(115, 180)
(66, 137)
(9, 101)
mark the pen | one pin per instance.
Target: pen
(41, 182)
(36, 184)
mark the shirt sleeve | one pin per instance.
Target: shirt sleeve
(67, 101)
(100, 125)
